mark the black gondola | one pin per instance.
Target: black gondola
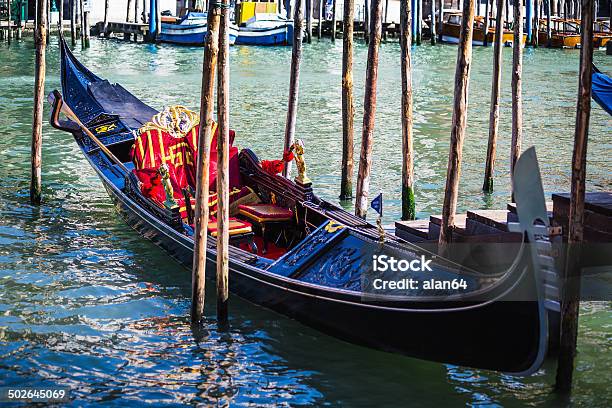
(324, 279)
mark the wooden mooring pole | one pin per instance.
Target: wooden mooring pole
(366, 21)
(86, 28)
(485, 40)
(73, 21)
(384, 26)
(548, 28)
(105, 26)
(419, 22)
(129, 9)
(536, 23)
(40, 33)
(82, 18)
(570, 300)
(440, 18)
(459, 121)
(158, 18)
(517, 96)
(333, 28)
(369, 111)
(19, 25)
(9, 32)
(223, 167)
(294, 80)
(211, 51)
(48, 22)
(1, 31)
(61, 16)
(507, 19)
(348, 107)
(433, 34)
(309, 21)
(320, 25)
(408, 204)
(487, 186)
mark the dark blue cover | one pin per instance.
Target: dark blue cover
(602, 91)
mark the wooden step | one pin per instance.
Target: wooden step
(486, 221)
(435, 221)
(513, 217)
(412, 231)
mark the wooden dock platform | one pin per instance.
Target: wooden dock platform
(138, 30)
(492, 225)
(597, 215)
(129, 30)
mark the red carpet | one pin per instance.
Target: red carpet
(274, 252)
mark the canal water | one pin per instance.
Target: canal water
(88, 304)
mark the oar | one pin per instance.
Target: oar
(59, 106)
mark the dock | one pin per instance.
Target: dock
(136, 31)
(128, 30)
(491, 227)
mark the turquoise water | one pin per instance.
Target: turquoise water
(86, 303)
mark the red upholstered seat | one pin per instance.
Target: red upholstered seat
(154, 147)
(262, 213)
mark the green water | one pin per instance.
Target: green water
(87, 303)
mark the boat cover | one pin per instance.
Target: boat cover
(115, 99)
(602, 91)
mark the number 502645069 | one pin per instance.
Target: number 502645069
(34, 394)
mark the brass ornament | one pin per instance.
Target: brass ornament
(298, 149)
(165, 175)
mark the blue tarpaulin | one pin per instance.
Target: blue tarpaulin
(602, 91)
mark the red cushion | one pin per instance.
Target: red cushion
(236, 226)
(265, 212)
(180, 154)
(234, 169)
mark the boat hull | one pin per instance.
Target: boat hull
(450, 34)
(282, 35)
(191, 34)
(451, 337)
(560, 40)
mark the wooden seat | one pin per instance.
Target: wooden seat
(239, 232)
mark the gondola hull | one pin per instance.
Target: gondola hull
(459, 338)
(489, 330)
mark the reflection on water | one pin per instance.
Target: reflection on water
(86, 303)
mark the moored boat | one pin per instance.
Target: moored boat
(266, 29)
(451, 29)
(190, 29)
(601, 33)
(565, 33)
(318, 268)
